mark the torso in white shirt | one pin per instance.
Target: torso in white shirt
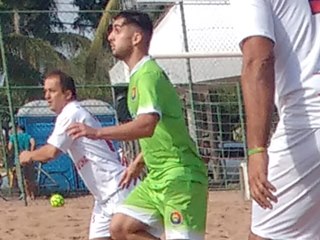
(295, 30)
(96, 161)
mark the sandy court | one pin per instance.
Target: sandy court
(228, 218)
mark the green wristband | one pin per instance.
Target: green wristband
(256, 150)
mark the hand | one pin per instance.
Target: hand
(261, 189)
(25, 158)
(132, 173)
(77, 130)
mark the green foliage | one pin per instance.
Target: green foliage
(98, 43)
(31, 24)
(35, 51)
(69, 44)
(154, 11)
(85, 19)
(36, 42)
(21, 72)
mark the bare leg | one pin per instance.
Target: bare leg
(124, 227)
(29, 176)
(29, 189)
(106, 238)
(252, 236)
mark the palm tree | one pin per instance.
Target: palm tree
(97, 49)
(35, 44)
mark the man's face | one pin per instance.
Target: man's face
(122, 38)
(54, 95)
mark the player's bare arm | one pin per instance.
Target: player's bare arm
(133, 172)
(43, 154)
(258, 85)
(143, 126)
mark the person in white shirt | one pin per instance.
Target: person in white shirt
(280, 42)
(97, 161)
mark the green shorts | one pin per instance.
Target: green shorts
(177, 208)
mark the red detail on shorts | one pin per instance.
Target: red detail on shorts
(315, 6)
(110, 145)
(81, 163)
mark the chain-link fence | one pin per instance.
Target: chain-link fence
(215, 120)
(193, 41)
(35, 118)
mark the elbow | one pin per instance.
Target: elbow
(258, 53)
(259, 70)
(149, 133)
(262, 62)
(146, 125)
(52, 153)
(148, 130)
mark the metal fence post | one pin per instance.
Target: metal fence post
(193, 129)
(11, 112)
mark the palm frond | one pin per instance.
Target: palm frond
(37, 52)
(21, 72)
(100, 35)
(70, 43)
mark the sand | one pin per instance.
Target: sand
(228, 218)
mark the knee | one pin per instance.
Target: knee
(253, 236)
(119, 227)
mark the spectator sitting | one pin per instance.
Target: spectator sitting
(25, 142)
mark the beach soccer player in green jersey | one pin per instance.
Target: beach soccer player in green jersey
(172, 199)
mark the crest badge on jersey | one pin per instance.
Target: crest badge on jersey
(176, 217)
(133, 93)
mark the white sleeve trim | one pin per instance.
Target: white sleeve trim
(55, 143)
(59, 137)
(149, 110)
(253, 18)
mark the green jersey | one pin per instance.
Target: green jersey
(170, 154)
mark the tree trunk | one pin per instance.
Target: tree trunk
(16, 21)
(100, 36)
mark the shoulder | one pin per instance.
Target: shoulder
(152, 73)
(149, 67)
(70, 113)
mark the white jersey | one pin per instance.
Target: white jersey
(96, 161)
(294, 27)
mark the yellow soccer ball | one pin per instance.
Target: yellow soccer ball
(56, 200)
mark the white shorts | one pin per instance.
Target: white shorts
(294, 169)
(102, 214)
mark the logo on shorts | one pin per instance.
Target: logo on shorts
(176, 217)
(133, 93)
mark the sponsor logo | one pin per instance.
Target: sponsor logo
(176, 217)
(110, 145)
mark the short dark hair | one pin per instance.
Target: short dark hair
(140, 19)
(66, 81)
(22, 128)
